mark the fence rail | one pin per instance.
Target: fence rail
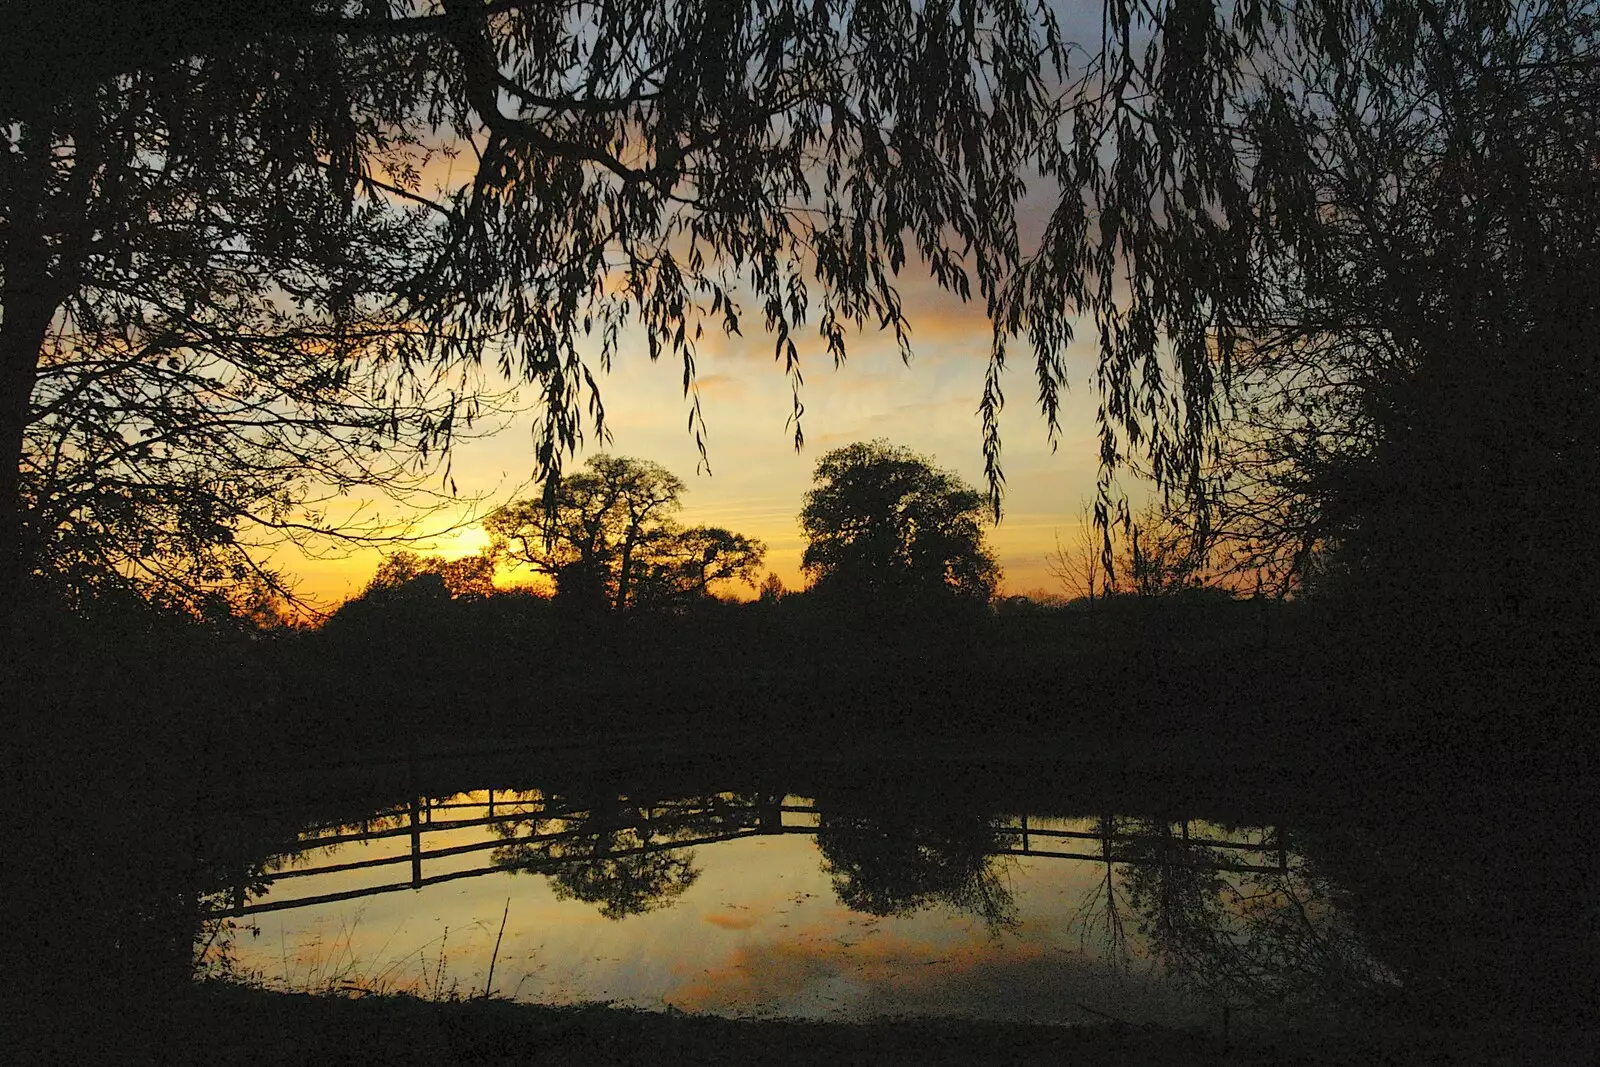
(661, 828)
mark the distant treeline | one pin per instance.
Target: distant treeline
(414, 667)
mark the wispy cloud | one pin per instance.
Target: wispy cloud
(816, 971)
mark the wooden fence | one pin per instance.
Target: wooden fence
(733, 820)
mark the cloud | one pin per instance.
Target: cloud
(817, 972)
(732, 922)
(722, 387)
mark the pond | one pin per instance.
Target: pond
(842, 904)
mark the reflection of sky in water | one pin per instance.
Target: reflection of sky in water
(760, 932)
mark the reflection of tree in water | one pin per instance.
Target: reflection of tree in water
(618, 852)
(222, 883)
(882, 867)
(238, 861)
(1103, 906)
(1477, 894)
(630, 884)
(1250, 937)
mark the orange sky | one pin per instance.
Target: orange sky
(757, 478)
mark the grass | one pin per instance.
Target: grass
(248, 1025)
(326, 1010)
(331, 968)
(226, 1023)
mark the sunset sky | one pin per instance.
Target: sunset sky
(758, 479)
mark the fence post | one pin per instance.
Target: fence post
(416, 847)
(769, 817)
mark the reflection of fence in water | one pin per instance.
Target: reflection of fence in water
(1184, 840)
(416, 820)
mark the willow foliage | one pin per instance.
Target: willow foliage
(1225, 187)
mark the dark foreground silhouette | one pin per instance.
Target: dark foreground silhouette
(242, 1025)
(1446, 795)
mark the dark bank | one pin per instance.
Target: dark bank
(1311, 876)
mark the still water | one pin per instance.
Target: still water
(761, 904)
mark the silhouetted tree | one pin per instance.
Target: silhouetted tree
(1160, 554)
(1078, 566)
(771, 590)
(605, 534)
(260, 607)
(681, 564)
(1392, 198)
(1373, 225)
(1159, 551)
(469, 577)
(201, 344)
(233, 230)
(883, 523)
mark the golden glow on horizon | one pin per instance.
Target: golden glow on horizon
(1022, 545)
(467, 541)
(757, 480)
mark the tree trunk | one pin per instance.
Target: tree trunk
(28, 297)
(27, 319)
(625, 577)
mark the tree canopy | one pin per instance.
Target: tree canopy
(606, 535)
(232, 274)
(226, 231)
(1416, 389)
(407, 574)
(883, 523)
(202, 348)
(1360, 235)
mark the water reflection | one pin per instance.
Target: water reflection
(627, 855)
(1249, 934)
(890, 865)
(844, 904)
